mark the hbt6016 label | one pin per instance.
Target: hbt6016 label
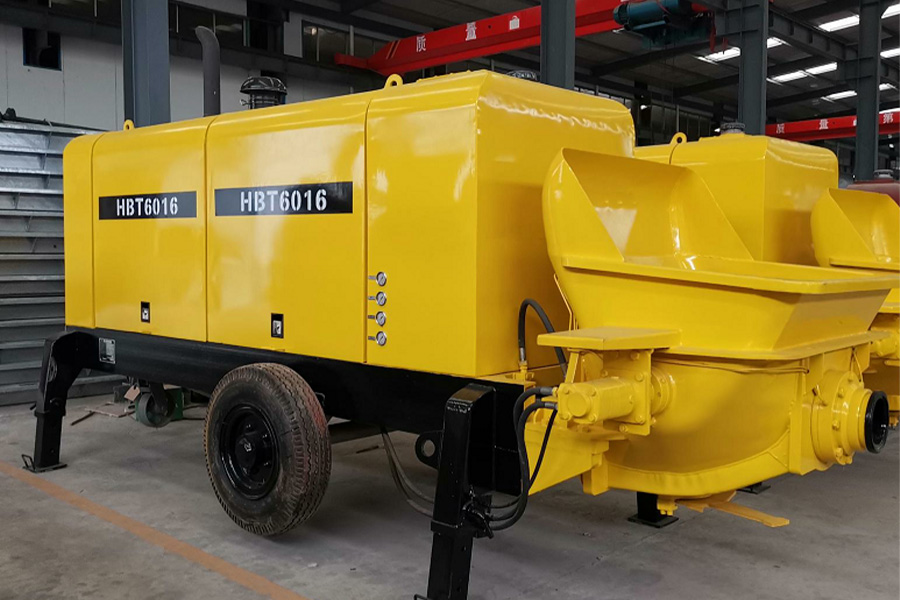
(305, 199)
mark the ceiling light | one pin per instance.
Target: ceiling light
(885, 87)
(790, 76)
(840, 95)
(735, 51)
(838, 24)
(853, 20)
(891, 53)
(715, 57)
(826, 68)
(890, 110)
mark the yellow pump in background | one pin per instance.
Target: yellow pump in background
(861, 230)
(781, 197)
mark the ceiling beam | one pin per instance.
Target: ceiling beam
(800, 35)
(825, 9)
(640, 60)
(810, 95)
(774, 71)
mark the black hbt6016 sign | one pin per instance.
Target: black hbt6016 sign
(174, 205)
(306, 199)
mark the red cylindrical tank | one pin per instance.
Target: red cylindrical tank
(884, 183)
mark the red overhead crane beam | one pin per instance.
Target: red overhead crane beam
(831, 129)
(503, 33)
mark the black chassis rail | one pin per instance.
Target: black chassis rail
(398, 399)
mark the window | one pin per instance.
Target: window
(322, 43)
(41, 49)
(230, 30)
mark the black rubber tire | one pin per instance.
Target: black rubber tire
(303, 445)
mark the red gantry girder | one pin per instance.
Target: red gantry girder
(503, 33)
(831, 129)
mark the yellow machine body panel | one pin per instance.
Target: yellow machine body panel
(400, 227)
(455, 174)
(766, 187)
(78, 229)
(149, 255)
(287, 228)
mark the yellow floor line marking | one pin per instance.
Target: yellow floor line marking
(242, 577)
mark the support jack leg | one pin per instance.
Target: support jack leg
(648, 513)
(64, 357)
(457, 518)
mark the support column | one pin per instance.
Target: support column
(145, 58)
(558, 43)
(753, 66)
(867, 93)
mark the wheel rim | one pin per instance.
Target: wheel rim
(249, 451)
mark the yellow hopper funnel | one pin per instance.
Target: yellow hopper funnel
(858, 230)
(641, 244)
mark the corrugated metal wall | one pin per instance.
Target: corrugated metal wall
(31, 256)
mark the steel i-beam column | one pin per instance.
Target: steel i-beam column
(558, 43)
(145, 56)
(869, 78)
(753, 66)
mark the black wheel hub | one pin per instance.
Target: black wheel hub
(249, 451)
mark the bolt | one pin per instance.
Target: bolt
(653, 421)
(565, 416)
(592, 418)
(623, 428)
(836, 425)
(641, 420)
(639, 377)
(635, 355)
(841, 392)
(604, 373)
(593, 391)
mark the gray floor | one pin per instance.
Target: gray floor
(364, 543)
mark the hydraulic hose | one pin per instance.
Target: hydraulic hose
(507, 520)
(523, 309)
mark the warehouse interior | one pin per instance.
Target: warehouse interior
(310, 299)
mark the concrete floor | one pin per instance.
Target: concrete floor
(365, 543)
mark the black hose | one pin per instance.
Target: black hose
(523, 309)
(517, 413)
(402, 481)
(507, 520)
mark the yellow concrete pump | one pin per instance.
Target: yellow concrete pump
(387, 257)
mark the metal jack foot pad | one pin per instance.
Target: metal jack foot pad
(28, 465)
(648, 513)
(657, 522)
